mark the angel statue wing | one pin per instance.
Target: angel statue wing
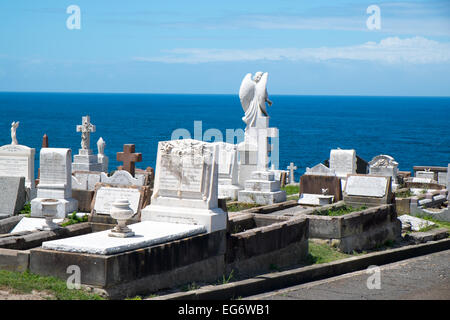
(261, 92)
(247, 91)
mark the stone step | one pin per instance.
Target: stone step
(260, 185)
(263, 175)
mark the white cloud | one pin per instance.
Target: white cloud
(417, 50)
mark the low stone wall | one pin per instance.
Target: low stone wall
(7, 224)
(358, 230)
(276, 242)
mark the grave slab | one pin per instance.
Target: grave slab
(30, 224)
(147, 233)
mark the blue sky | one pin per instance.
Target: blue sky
(308, 47)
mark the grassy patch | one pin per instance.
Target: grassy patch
(26, 209)
(439, 224)
(404, 194)
(291, 189)
(27, 282)
(74, 219)
(334, 212)
(239, 206)
(323, 253)
(226, 279)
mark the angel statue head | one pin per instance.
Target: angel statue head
(253, 96)
(258, 76)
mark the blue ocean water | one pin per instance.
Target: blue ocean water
(414, 130)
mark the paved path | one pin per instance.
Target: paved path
(425, 277)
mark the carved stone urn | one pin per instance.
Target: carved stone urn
(121, 211)
(49, 211)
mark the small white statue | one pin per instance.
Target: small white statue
(253, 96)
(14, 126)
(101, 146)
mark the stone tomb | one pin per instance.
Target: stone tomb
(368, 190)
(106, 194)
(12, 195)
(186, 185)
(228, 171)
(147, 233)
(18, 161)
(55, 182)
(85, 160)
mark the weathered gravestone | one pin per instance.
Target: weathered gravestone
(343, 162)
(106, 194)
(320, 170)
(12, 195)
(186, 185)
(55, 182)
(228, 171)
(368, 190)
(18, 161)
(384, 165)
(426, 175)
(122, 177)
(316, 184)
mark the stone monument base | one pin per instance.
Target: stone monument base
(86, 161)
(262, 189)
(213, 219)
(65, 207)
(227, 190)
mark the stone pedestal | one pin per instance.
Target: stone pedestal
(85, 160)
(262, 188)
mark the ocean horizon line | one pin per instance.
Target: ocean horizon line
(222, 94)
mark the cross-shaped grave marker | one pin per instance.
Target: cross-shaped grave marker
(291, 169)
(86, 128)
(129, 157)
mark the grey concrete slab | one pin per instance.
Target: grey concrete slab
(425, 277)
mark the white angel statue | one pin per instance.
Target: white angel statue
(14, 126)
(253, 96)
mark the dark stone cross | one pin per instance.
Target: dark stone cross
(129, 157)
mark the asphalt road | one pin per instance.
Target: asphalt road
(426, 277)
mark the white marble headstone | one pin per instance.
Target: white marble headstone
(55, 181)
(105, 196)
(18, 161)
(343, 162)
(186, 185)
(366, 186)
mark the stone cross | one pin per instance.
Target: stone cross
(291, 169)
(86, 128)
(128, 157)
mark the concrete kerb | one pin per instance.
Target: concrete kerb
(280, 280)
